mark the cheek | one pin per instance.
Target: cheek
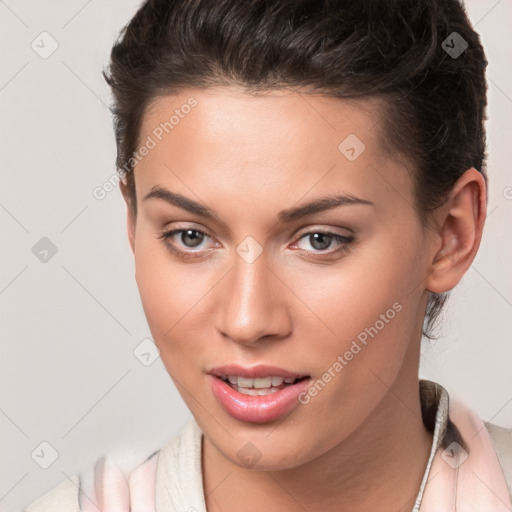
(365, 313)
(350, 295)
(166, 290)
(372, 320)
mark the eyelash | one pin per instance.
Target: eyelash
(345, 242)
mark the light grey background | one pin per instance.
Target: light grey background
(69, 326)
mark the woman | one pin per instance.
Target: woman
(305, 182)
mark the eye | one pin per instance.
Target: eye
(322, 240)
(189, 239)
(183, 241)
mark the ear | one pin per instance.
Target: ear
(459, 225)
(130, 217)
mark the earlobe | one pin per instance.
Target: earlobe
(460, 220)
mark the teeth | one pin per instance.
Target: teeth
(259, 383)
(245, 383)
(262, 383)
(277, 381)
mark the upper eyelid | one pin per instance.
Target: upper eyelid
(300, 232)
(327, 231)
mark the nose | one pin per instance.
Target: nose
(251, 303)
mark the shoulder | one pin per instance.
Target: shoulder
(181, 456)
(63, 497)
(125, 474)
(179, 477)
(111, 479)
(187, 442)
(501, 438)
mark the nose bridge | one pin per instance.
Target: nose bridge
(250, 307)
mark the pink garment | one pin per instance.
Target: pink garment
(112, 489)
(478, 483)
(454, 482)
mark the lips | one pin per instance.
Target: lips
(258, 394)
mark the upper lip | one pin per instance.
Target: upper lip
(254, 372)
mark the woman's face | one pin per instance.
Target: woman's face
(255, 282)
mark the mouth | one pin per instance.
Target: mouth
(259, 394)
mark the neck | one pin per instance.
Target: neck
(378, 467)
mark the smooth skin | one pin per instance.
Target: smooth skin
(360, 443)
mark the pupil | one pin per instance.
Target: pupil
(315, 240)
(196, 240)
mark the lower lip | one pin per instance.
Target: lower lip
(257, 409)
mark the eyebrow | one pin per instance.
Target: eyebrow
(284, 216)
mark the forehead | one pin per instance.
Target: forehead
(258, 117)
(227, 139)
